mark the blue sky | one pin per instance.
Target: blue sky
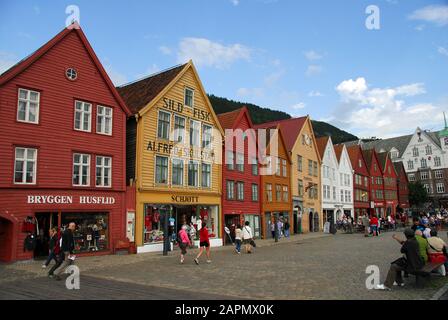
(301, 57)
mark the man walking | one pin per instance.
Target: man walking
(67, 247)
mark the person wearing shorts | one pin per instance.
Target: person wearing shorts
(183, 243)
(204, 242)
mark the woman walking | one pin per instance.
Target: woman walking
(238, 236)
(184, 242)
(204, 242)
(247, 237)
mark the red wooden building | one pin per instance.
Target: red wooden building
(361, 181)
(376, 183)
(62, 128)
(389, 183)
(402, 186)
(241, 182)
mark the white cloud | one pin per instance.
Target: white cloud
(253, 93)
(382, 112)
(420, 27)
(165, 50)
(443, 51)
(299, 106)
(315, 94)
(205, 52)
(312, 55)
(437, 14)
(235, 2)
(313, 70)
(7, 60)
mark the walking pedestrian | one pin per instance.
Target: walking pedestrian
(374, 225)
(273, 229)
(67, 247)
(52, 243)
(366, 224)
(247, 237)
(184, 242)
(286, 227)
(238, 237)
(204, 242)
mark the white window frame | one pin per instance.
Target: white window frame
(440, 187)
(167, 170)
(285, 190)
(428, 150)
(28, 101)
(158, 124)
(437, 161)
(199, 133)
(176, 131)
(284, 168)
(210, 175)
(103, 167)
(83, 115)
(239, 183)
(438, 174)
(173, 160)
(24, 165)
(232, 190)
(198, 174)
(81, 165)
(255, 199)
(411, 177)
(424, 175)
(410, 165)
(203, 136)
(415, 152)
(104, 116)
(185, 97)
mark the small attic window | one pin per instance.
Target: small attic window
(71, 74)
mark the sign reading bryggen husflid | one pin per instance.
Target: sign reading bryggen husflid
(174, 148)
(62, 128)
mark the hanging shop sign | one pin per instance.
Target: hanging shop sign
(60, 199)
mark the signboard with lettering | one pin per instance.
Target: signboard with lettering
(60, 199)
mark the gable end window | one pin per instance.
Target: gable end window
(83, 116)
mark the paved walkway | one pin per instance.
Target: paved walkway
(314, 266)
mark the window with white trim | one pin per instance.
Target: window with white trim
(254, 192)
(415, 152)
(25, 166)
(230, 190)
(428, 188)
(239, 162)
(240, 191)
(179, 129)
(230, 160)
(195, 131)
(284, 167)
(428, 150)
(83, 116)
(285, 194)
(269, 192)
(28, 106)
(81, 169)
(193, 174)
(410, 165)
(206, 175)
(177, 172)
(440, 187)
(103, 171)
(437, 162)
(189, 97)
(206, 136)
(411, 177)
(164, 125)
(423, 163)
(438, 174)
(104, 120)
(161, 170)
(424, 175)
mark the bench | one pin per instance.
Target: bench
(422, 275)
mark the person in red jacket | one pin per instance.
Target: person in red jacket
(204, 242)
(374, 225)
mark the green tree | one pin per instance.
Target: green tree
(417, 194)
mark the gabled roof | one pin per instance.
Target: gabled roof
(399, 168)
(354, 152)
(281, 138)
(322, 145)
(338, 150)
(382, 159)
(400, 143)
(291, 127)
(36, 55)
(139, 93)
(368, 154)
(230, 120)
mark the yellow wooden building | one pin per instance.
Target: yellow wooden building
(174, 148)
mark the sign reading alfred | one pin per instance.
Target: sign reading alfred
(59, 199)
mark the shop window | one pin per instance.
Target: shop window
(104, 120)
(83, 116)
(92, 231)
(153, 230)
(25, 166)
(28, 106)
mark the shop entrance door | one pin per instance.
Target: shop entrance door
(45, 222)
(5, 240)
(231, 221)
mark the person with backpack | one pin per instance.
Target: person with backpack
(184, 242)
(247, 237)
(52, 243)
(204, 242)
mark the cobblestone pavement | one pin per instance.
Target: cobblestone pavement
(307, 267)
